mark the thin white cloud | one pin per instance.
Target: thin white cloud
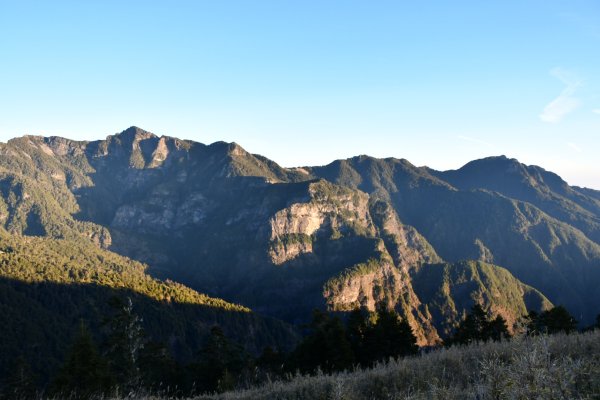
(565, 103)
(574, 147)
(474, 140)
(596, 111)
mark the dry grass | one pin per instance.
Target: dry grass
(545, 367)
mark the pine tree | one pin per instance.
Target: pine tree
(220, 363)
(84, 373)
(557, 320)
(389, 337)
(472, 328)
(157, 367)
(496, 329)
(19, 382)
(356, 328)
(125, 340)
(325, 347)
(271, 362)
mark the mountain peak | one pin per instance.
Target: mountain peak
(492, 161)
(135, 133)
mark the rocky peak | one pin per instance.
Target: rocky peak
(236, 150)
(134, 134)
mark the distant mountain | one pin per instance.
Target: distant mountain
(532, 184)
(283, 241)
(498, 211)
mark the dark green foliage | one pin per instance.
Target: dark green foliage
(477, 327)
(497, 329)
(271, 363)
(357, 326)
(47, 286)
(124, 343)
(472, 328)
(551, 321)
(380, 337)
(497, 210)
(159, 371)
(203, 215)
(325, 347)
(449, 291)
(19, 382)
(220, 363)
(84, 373)
(366, 338)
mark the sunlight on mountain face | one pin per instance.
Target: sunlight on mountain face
(320, 187)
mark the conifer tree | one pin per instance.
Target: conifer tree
(220, 362)
(389, 337)
(551, 321)
(271, 362)
(496, 329)
(84, 373)
(158, 369)
(477, 327)
(19, 383)
(325, 347)
(356, 328)
(125, 340)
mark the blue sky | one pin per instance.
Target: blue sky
(307, 82)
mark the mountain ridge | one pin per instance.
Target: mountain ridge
(238, 226)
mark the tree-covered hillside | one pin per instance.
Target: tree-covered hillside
(497, 211)
(47, 286)
(283, 241)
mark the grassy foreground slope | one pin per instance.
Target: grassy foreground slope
(543, 367)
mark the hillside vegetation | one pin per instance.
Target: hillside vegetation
(284, 241)
(495, 210)
(47, 286)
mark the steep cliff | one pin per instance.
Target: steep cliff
(284, 241)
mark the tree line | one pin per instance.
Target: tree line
(127, 362)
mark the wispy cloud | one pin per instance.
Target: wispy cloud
(474, 140)
(596, 111)
(565, 103)
(574, 147)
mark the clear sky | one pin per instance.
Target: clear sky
(306, 82)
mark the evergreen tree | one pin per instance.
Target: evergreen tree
(389, 337)
(325, 347)
(557, 320)
(533, 323)
(19, 383)
(125, 340)
(271, 362)
(356, 328)
(477, 327)
(220, 363)
(496, 329)
(158, 369)
(84, 373)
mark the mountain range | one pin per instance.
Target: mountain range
(182, 225)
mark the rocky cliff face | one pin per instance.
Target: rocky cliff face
(328, 209)
(283, 241)
(494, 210)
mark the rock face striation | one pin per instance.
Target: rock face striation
(282, 241)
